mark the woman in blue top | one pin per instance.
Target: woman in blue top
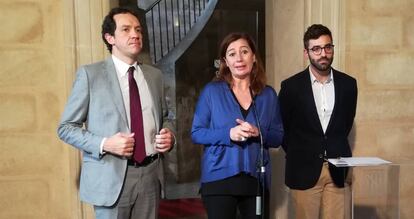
(225, 123)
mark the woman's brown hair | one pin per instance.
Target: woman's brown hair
(257, 75)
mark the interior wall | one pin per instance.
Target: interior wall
(373, 43)
(379, 53)
(284, 30)
(34, 165)
(42, 42)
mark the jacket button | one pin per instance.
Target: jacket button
(320, 156)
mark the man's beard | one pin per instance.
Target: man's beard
(321, 67)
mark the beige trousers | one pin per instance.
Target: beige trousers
(324, 200)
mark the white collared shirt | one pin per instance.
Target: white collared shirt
(324, 96)
(147, 104)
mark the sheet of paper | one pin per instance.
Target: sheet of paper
(357, 161)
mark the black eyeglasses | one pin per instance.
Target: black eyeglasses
(317, 50)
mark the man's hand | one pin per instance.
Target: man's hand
(164, 140)
(121, 144)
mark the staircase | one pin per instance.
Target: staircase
(174, 24)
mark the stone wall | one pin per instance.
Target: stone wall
(42, 42)
(33, 163)
(379, 53)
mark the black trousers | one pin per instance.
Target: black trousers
(233, 207)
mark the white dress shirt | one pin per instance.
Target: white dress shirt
(324, 96)
(147, 104)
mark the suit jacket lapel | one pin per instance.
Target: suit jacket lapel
(115, 89)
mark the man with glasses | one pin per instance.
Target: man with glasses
(318, 108)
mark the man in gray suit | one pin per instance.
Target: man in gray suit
(98, 118)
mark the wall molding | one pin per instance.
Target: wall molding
(330, 13)
(83, 45)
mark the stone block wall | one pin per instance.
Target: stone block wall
(379, 53)
(42, 42)
(33, 163)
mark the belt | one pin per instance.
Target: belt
(147, 160)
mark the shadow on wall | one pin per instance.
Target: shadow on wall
(366, 212)
(352, 137)
(280, 192)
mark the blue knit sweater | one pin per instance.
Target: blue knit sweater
(216, 113)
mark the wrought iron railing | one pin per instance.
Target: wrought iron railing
(168, 22)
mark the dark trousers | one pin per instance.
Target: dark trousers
(232, 207)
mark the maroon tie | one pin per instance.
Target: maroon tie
(137, 124)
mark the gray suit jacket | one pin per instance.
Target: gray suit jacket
(95, 110)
